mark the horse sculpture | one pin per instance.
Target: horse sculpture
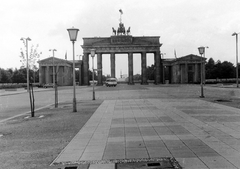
(121, 29)
(114, 31)
(128, 31)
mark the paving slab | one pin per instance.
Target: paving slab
(190, 130)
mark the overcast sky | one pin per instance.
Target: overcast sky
(183, 25)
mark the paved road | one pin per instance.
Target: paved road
(13, 103)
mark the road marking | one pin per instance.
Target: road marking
(4, 120)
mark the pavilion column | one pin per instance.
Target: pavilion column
(163, 74)
(85, 69)
(186, 73)
(158, 67)
(40, 74)
(144, 69)
(196, 73)
(170, 74)
(80, 74)
(64, 78)
(130, 68)
(112, 59)
(204, 72)
(57, 74)
(99, 67)
(47, 75)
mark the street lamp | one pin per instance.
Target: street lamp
(201, 51)
(54, 83)
(53, 50)
(204, 67)
(27, 39)
(93, 54)
(73, 37)
(236, 34)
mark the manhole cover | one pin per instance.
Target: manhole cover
(165, 163)
(73, 166)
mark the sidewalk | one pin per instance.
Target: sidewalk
(198, 134)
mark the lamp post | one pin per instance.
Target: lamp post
(27, 39)
(73, 37)
(236, 34)
(201, 51)
(53, 50)
(54, 76)
(93, 54)
(204, 56)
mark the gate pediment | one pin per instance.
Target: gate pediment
(190, 57)
(56, 61)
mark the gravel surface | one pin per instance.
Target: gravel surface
(28, 143)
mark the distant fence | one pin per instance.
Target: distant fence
(214, 81)
(15, 85)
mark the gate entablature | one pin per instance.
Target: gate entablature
(122, 44)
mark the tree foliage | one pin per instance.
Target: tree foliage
(150, 72)
(33, 57)
(219, 70)
(18, 75)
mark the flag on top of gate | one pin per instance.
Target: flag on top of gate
(120, 10)
(66, 55)
(175, 54)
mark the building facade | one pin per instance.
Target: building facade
(123, 44)
(63, 71)
(186, 69)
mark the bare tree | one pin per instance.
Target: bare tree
(32, 59)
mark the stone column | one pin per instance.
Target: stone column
(144, 68)
(80, 73)
(158, 68)
(64, 79)
(163, 74)
(112, 59)
(85, 69)
(196, 72)
(204, 72)
(99, 67)
(186, 73)
(47, 75)
(130, 68)
(40, 74)
(170, 74)
(57, 74)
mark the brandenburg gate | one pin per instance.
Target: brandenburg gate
(122, 43)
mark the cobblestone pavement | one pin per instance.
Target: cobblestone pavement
(197, 133)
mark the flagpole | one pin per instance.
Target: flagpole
(121, 12)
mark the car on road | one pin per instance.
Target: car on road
(111, 82)
(47, 85)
